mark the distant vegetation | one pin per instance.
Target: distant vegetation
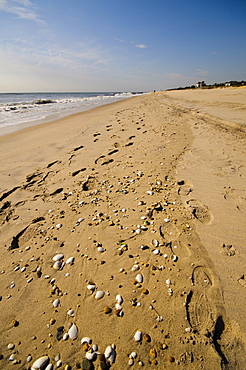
(215, 85)
(44, 101)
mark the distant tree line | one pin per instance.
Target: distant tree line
(213, 86)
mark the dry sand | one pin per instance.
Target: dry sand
(157, 183)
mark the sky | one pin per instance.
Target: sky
(120, 45)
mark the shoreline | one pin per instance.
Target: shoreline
(134, 195)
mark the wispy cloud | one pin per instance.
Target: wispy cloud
(141, 46)
(201, 72)
(23, 9)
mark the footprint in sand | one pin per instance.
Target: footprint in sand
(199, 310)
(200, 211)
(184, 188)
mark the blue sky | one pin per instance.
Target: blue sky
(113, 45)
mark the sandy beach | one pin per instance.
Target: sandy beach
(123, 236)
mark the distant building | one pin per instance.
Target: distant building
(227, 84)
(200, 84)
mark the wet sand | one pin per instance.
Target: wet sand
(143, 200)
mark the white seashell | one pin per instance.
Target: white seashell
(23, 269)
(112, 356)
(91, 356)
(156, 251)
(118, 306)
(80, 219)
(133, 355)
(57, 358)
(58, 257)
(95, 347)
(70, 260)
(91, 287)
(58, 226)
(40, 363)
(149, 192)
(101, 249)
(29, 358)
(65, 336)
(16, 268)
(155, 243)
(168, 281)
(138, 231)
(86, 340)
(175, 258)
(49, 367)
(11, 346)
(58, 364)
(138, 336)
(73, 332)
(99, 294)
(165, 255)
(135, 268)
(70, 313)
(130, 362)
(108, 351)
(119, 299)
(11, 357)
(56, 302)
(139, 278)
(29, 280)
(143, 217)
(57, 265)
(166, 220)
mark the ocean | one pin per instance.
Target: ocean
(21, 110)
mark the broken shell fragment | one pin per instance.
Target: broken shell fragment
(119, 299)
(133, 355)
(70, 260)
(70, 313)
(73, 332)
(57, 265)
(56, 302)
(91, 287)
(85, 340)
(138, 336)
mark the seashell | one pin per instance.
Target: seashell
(17, 268)
(40, 363)
(57, 358)
(65, 336)
(156, 251)
(149, 192)
(80, 220)
(23, 269)
(90, 355)
(70, 260)
(11, 346)
(155, 243)
(147, 338)
(138, 231)
(95, 347)
(108, 351)
(119, 298)
(166, 220)
(49, 367)
(70, 313)
(165, 255)
(101, 249)
(56, 302)
(85, 340)
(135, 268)
(175, 258)
(112, 356)
(130, 362)
(58, 226)
(107, 310)
(58, 364)
(118, 307)
(152, 352)
(58, 257)
(139, 278)
(138, 336)
(73, 332)
(11, 357)
(133, 355)
(145, 291)
(57, 265)
(29, 358)
(91, 287)
(168, 281)
(99, 294)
